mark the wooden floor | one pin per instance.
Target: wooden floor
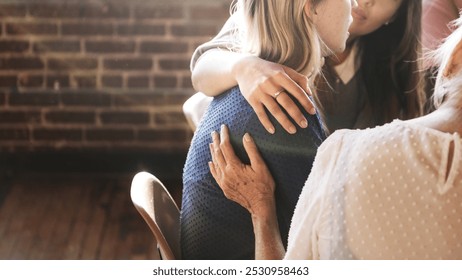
(71, 216)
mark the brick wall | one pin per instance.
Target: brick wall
(99, 74)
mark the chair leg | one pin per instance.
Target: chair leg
(160, 254)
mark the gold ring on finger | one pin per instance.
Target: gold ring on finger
(277, 93)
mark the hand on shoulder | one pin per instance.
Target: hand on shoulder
(267, 85)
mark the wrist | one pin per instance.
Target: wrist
(240, 65)
(266, 223)
(265, 213)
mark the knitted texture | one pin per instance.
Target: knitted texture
(213, 227)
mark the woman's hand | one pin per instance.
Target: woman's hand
(267, 85)
(252, 186)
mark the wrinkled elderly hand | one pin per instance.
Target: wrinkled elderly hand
(267, 85)
(252, 186)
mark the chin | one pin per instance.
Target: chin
(341, 48)
(333, 48)
(332, 51)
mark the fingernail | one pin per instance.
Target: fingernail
(214, 134)
(313, 111)
(271, 130)
(292, 130)
(247, 137)
(304, 124)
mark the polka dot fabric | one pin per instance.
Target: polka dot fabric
(213, 227)
(393, 192)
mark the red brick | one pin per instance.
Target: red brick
(163, 47)
(85, 81)
(12, 10)
(21, 63)
(109, 47)
(165, 12)
(82, 10)
(194, 30)
(170, 118)
(56, 46)
(81, 108)
(165, 81)
(15, 134)
(56, 134)
(105, 10)
(68, 117)
(72, 64)
(86, 99)
(31, 29)
(112, 81)
(124, 117)
(58, 10)
(196, 43)
(186, 82)
(29, 116)
(138, 82)
(141, 29)
(163, 135)
(27, 80)
(210, 12)
(8, 81)
(111, 135)
(87, 29)
(137, 99)
(14, 46)
(57, 81)
(174, 64)
(34, 99)
(177, 98)
(128, 64)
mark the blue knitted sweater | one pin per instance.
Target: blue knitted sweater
(213, 227)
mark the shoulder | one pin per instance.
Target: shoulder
(396, 142)
(357, 140)
(336, 139)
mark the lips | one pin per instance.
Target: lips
(359, 13)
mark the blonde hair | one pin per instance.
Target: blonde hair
(447, 86)
(280, 31)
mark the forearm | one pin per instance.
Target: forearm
(214, 72)
(268, 243)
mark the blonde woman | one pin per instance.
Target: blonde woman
(376, 79)
(295, 34)
(391, 192)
